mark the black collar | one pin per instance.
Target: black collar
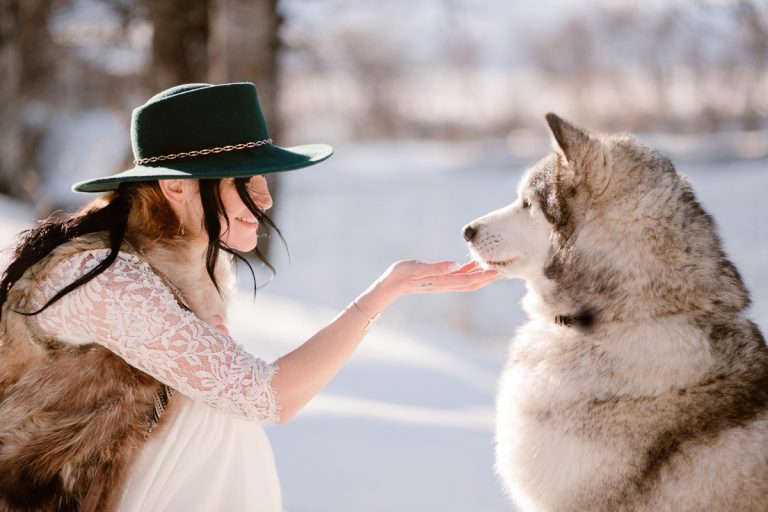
(565, 320)
(585, 319)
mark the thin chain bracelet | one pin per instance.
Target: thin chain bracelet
(371, 320)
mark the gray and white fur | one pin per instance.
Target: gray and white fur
(638, 382)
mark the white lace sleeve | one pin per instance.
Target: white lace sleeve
(129, 310)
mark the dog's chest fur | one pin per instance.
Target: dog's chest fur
(544, 448)
(581, 416)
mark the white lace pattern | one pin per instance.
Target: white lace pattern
(129, 310)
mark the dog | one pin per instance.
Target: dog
(638, 383)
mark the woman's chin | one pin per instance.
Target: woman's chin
(242, 245)
(247, 247)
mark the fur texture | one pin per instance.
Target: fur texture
(66, 409)
(659, 402)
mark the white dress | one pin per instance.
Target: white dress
(209, 451)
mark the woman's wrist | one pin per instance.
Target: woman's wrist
(371, 318)
(373, 301)
(380, 294)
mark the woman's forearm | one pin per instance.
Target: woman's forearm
(303, 373)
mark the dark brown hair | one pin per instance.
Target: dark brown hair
(140, 205)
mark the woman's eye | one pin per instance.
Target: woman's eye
(526, 204)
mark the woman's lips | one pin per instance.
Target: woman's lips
(249, 223)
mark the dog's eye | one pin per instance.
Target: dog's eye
(526, 204)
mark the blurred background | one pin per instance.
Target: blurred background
(435, 108)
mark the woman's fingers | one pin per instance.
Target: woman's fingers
(456, 281)
(441, 267)
(467, 267)
(411, 276)
(422, 269)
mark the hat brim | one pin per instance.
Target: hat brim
(265, 159)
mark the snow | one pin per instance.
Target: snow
(407, 424)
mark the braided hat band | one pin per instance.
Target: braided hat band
(201, 152)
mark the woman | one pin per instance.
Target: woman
(120, 387)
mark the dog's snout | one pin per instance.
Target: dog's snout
(469, 233)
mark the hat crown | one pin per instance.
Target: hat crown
(176, 89)
(193, 117)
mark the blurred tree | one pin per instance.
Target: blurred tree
(37, 47)
(662, 30)
(460, 50)
(179, 42)
(753, 20)
(568, 56)
(376, 65)
(10, 69)
(27, 65)
(245, 45)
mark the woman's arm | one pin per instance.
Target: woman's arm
(305, 371)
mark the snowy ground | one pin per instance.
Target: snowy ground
(407, 424)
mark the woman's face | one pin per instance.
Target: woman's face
(243, 226)
(184, 198)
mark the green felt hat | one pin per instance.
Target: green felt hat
(198, 131)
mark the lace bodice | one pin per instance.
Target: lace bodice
(130, 310)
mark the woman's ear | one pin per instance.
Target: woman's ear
(177, 192)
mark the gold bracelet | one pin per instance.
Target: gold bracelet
(371, 320)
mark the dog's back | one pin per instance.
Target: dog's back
(638, 383)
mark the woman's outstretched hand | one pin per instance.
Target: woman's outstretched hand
(306, 370)
(410, 276)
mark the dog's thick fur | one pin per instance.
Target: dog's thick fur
(67, 409)
(650, 391)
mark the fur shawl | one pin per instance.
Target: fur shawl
(66, 410)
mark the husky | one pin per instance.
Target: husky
(638, 382)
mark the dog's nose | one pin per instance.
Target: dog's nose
(469, 233)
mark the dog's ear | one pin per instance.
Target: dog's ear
(571, 140)
(580, 151)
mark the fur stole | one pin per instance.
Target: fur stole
(65, 409)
